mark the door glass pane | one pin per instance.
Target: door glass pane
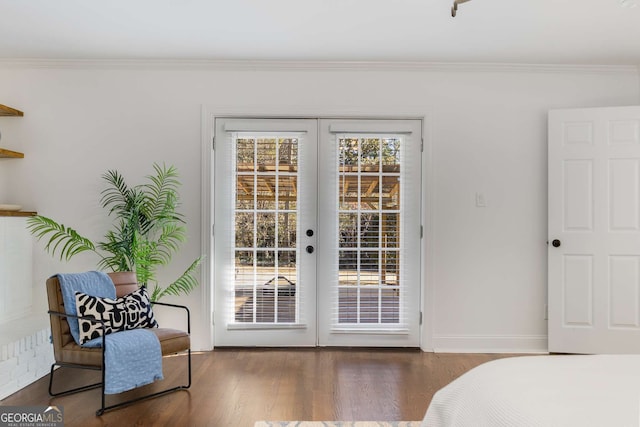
(266, 229)
(244, 222)
(266, 153)
(349, 177)
(287, 273)
(369, 230)
(390, 197)
(287, 230)
(369, 289)
(287, 192)
(348, 229)
(369, 154)
(244, 280)
(288, 154)
(245, 151)
(244, 191)
(370, 191)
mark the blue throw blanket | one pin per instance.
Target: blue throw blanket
(132, 359)
(94, 283)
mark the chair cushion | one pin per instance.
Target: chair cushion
(171, 341)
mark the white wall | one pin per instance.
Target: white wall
(486, 273)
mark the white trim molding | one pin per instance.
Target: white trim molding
(490, 344)
(206, 225)
(638, 72)
(211, 112)
(249, 65)
(428, 251)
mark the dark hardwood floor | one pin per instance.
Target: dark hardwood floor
(236, 387)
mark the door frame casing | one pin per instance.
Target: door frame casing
(208, 115)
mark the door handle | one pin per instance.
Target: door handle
(309, 249)
(556, 243)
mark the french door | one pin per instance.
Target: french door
(317, 232)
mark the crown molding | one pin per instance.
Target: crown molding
(247, 65)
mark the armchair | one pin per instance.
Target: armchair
(68, 354)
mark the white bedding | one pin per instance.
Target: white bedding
(537, 391)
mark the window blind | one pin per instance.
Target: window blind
(370, 290)
(266, 288)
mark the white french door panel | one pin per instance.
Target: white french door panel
(594, 230)
(264, 203)
(369, 226)
(317, 237)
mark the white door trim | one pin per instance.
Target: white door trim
(209, 113)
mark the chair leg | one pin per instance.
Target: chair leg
(73, 390)
(189, 362)
(104, 408)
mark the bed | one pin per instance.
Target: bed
(536, 391)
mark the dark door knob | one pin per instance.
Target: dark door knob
(556, 243)
(310, 232)
(309, 249)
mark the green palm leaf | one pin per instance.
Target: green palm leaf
(117, 250)
(60, 237)
(147, 230)
(162, 192)
(117, 194)
(183, 285)
(169, 241)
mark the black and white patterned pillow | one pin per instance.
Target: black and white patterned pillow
(131, 311)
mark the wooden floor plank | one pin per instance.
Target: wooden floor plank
(236, 387)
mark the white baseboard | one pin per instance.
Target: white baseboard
(490, 344)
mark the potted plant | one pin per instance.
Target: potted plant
(147, 231)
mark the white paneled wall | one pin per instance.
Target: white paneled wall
(25, 351)
(16, 269)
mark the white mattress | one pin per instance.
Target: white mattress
(536, 391)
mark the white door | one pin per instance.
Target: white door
(317, 238)
(264, 203)
(369, 233)
(594, 230)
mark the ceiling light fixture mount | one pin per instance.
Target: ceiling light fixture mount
(454, 8)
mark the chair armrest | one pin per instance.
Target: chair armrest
(89, 318)
(185, 308)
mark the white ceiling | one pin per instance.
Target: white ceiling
(507, 31)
